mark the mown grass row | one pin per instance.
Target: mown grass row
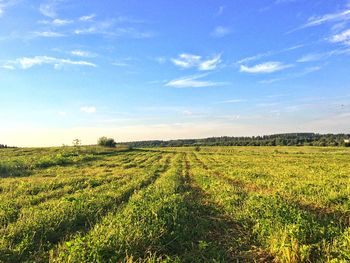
(16, 162)
(40, 227)
(281, 228)
(318, 180)
(170, 221)
(144, 228)
(235, 204)
(37, 190)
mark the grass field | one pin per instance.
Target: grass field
(218, 204)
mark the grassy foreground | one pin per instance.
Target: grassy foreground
(218, 204)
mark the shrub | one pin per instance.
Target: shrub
(106, 142)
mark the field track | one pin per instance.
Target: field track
(213, 204)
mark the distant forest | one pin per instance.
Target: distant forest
(288, 139)
(3, 146)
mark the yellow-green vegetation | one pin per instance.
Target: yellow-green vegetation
(207, 204)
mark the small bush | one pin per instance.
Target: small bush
(106, 142)
(10, 169)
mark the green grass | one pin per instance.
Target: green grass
(218, 204)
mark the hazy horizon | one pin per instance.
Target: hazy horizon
(144, 70)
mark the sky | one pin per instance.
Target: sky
(162, 69)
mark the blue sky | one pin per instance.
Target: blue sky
(171, 69)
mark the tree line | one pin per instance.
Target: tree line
(288, 139)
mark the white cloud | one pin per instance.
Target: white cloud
(195, 61)
(270, 81)
(56, 22)
(321, 56)
(4, 4)
(187, 60)
(315, 21)
(231, 101)
(305, 71)
(87, 17)
(343, 37)
(108, 28)
(82, 53)
(269, 53)
(210, 64)
(220, 31)
(61, 22)
(48, 34)
(267, 67)
(88, 109)
(125, 62)
(312, 57)
(255, 57)
(8, 67)
(29, 62)
(191, 82)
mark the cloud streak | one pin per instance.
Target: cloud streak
(343, 37)
(48, 34)
(4, 4)
(324, 55)
(48, 8)
(87, 18)
(193, 81)
(29, 62)
(187, 61)
(267, 67)
(327, 18)
(82, 53)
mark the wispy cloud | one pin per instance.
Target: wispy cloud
(192, 82)
(61, 22)
(312, 57)
(270, 81)
(87, 17)
(210, 64)
(267, 67)
(194, 61)
(48, 8)
(8, 67)
(315, 21)
(29, 62)
(109, 28)
(230, 101)
(187, 60)
(88, 109)
(5, 4)
(82, 53)
(343, 15)
(56, 22)
(124, 62)
(304, 72)
(324, 55)
(343, 37)
(47, 34)
(268, 53)
(220, 31)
